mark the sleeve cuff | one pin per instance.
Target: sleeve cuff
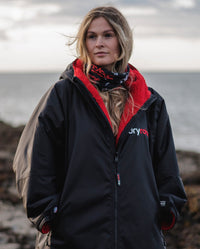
(45, 228)
(167, 225)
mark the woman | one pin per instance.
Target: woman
(96, 165)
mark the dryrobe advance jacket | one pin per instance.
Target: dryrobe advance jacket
(93, 190)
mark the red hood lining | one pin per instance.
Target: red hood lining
(138, 89)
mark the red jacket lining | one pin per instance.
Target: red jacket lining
(138, 89)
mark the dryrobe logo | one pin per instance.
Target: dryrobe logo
(138, 132)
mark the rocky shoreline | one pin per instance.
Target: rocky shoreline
(16, 232)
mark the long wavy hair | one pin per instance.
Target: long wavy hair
(114, 99)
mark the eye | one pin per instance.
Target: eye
(91, 36)
(109, 35)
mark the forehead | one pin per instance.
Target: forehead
(99, 24)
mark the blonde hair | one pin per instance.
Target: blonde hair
(114, 99)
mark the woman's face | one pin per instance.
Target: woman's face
(102, 44)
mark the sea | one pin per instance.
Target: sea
(20, 93)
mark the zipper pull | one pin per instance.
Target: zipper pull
(117, 173)
(118, 179)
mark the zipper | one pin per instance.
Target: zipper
(117, 170)
(117, 184)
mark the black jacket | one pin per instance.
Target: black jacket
(97, 191)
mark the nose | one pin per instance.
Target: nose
(99, 41)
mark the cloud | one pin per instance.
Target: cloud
(30, 30)
(138, 11)
(3, 35)
(148, 17)
(186, 4)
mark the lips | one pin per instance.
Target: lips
(101, 53)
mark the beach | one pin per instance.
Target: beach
(16, 232)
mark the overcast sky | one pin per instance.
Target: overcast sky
(166, 33)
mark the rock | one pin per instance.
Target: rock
(193, 204)
(15, 229)
(7, 178)
(10, 246)
(9, 137)
(17, 233)
(189, 162)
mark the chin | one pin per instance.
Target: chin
(103, 64)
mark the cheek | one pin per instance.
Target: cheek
(116, 48)
(89, 46)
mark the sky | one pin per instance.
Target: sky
(34, 33)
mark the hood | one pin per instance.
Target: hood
(68, 73)
(136, 83)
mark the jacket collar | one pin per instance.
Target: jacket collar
(138, 89)
(140, 94)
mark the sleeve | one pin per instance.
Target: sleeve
(170, 186)
(38, 162)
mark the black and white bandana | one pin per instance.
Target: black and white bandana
(106, 80)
